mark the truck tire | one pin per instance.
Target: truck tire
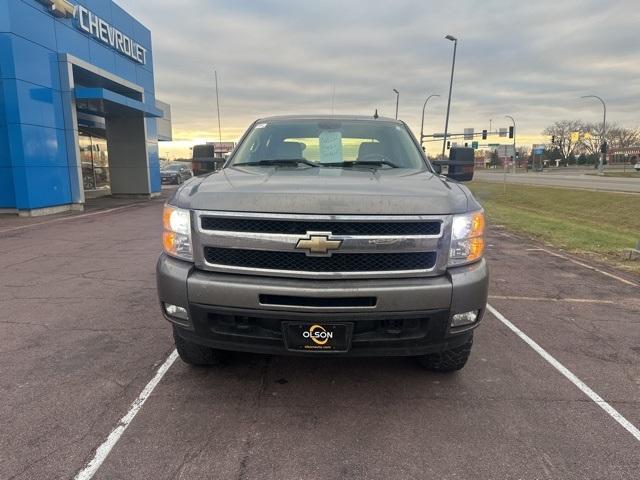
(448, 360)
(194, 354)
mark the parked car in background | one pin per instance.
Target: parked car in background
(175, 174)
(637, 167)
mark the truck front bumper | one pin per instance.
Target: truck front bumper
(400, 317)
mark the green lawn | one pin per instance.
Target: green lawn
(601, 224)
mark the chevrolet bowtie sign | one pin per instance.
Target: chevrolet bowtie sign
(60, 8)
(90, 23)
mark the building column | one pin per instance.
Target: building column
(128, 156)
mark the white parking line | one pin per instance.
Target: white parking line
(610, 275)
(103, 450)
(550, 299)
(597, 399)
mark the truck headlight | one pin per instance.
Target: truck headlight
(467, 238)
(176, 237)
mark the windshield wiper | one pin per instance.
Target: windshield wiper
(366, 163)
(279, 162)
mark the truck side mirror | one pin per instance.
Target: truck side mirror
(461, 164)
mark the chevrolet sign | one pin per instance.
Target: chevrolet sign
(60, 8)
(90, 23)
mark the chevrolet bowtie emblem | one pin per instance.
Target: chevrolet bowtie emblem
(60, 8)
(318, 244)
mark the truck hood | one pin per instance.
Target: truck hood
(328, 191)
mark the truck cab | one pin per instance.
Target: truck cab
(326, 235)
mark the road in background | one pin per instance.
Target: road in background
(83, 334)
(559, 178)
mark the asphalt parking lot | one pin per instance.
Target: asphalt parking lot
(83, 336)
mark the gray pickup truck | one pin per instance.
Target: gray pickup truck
(325, 235)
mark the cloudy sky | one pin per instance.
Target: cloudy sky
(528, 59)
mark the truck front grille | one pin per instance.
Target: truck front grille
(321, 246)
(298, 227)
(340, 262)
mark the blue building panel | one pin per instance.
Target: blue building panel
(102, 57)
(41, 187)
(32, 104)
(7, 194)
(125, 22)
(102, 8)
(39, 156)
(125, 68)
(5, 152)
(142, 34)
(29, 19)
(34, 146)
(25, 60)
(144, 78)
(9, 101)
(3, 116)
(7, 69)
(72, 41)
(4, 16)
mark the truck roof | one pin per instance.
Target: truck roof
(329, 117)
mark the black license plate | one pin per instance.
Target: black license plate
(317, 337)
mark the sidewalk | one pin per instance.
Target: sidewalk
(10, 222)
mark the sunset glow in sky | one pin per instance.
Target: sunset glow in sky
(531, 60)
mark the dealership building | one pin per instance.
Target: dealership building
(78, 111)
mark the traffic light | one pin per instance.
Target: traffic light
(510, 132)
(517, 155)
(448, 144)
(484, 134)
(466, 144)
(604, 148)
(553, 139)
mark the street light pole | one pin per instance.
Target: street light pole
(453, 66)
(603, 139)
(514, 141)
(397, 101)
(218, 107)
(424, 107)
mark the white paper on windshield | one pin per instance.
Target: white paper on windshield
(330, 147)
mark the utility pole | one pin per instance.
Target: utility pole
(397, 101)
(514, 141)
(218, 107)
(333, 97)
(424, 106)
(453, 66)
(603, 139)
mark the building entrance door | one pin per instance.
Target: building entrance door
(94, 155)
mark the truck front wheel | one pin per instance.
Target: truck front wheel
(194, 354)
(448, 360)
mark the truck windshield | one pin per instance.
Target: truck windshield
(330, 144)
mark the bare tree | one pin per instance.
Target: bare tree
(564, 141)
(617, 137)
(621, 137)
(590, 138)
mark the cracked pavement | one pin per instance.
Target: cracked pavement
(82, 334)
